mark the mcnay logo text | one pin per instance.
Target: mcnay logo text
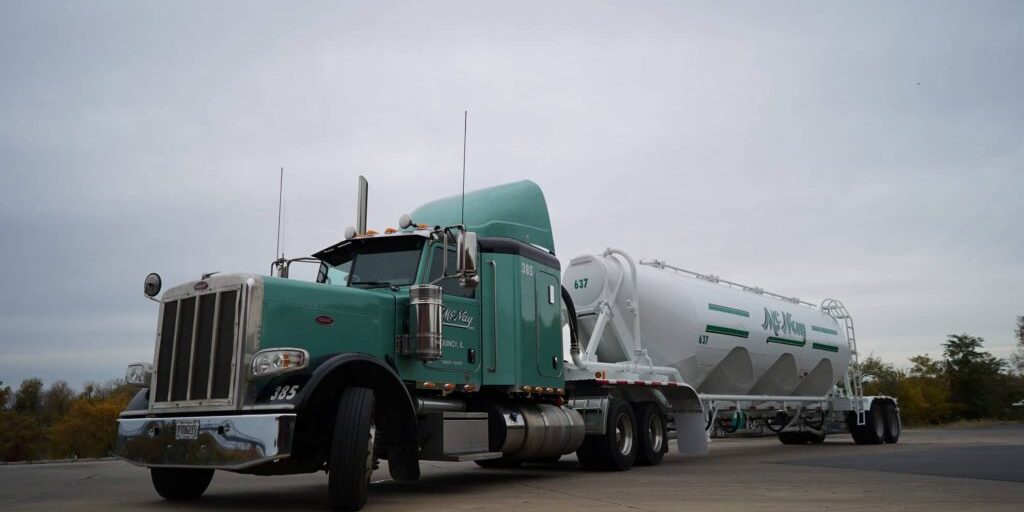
(783, 323)
(457, 318)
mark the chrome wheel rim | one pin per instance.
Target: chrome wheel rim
(369, 450)
(624, 434)
(656, 433)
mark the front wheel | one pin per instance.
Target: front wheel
(180, 484)
(351, 462)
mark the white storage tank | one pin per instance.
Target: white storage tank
(722, 339)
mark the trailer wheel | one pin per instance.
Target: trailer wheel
(351, 462)
(616, 449)
(873, 429)
(652, 438)
(177, 484)
(893, 423)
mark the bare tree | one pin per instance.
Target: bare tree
(1017, 357)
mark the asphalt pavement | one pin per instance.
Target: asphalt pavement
(929, 470)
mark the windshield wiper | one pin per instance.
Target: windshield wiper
(374, 284)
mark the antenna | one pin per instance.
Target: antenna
(280, 207)
(465, 130)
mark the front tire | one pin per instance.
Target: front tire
(178, 484)
(351, 462)
(616, 449)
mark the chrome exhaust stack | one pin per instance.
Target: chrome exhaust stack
(361, 203)
(424, 340)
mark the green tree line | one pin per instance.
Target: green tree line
(968, 383)
(57, 422)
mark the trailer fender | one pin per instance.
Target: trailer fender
(684, 405)
(394, 414)
(688, 415)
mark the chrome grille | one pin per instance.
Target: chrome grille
(195, 357)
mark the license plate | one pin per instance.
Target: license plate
(186, 429)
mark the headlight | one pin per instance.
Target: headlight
(274, 361)
(138, 374)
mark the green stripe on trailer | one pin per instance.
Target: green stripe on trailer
(727, 331)
(784, 341)
(727, 309)
(822, 346)
(824, 330)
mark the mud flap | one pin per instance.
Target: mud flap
(691, 437)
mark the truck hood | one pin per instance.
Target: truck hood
(326, 319)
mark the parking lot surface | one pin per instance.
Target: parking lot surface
(929, 470)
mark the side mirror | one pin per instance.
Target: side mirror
(468, 256)
(151, 286)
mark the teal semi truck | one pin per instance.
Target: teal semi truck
(457, 336)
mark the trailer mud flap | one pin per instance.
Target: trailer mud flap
(691, 436)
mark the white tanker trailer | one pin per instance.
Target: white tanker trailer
(753, 359)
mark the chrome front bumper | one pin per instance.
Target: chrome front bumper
(221, 442)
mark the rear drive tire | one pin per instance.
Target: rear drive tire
(893, 423)
(351, 462)
(178, 484)
(616, 449)
(652, 435)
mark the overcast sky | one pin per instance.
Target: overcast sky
(871, 152)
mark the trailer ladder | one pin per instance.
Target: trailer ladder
(854, 387)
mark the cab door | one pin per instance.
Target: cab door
(548, 304)
(460, 325)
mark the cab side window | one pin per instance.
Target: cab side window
(449, 285)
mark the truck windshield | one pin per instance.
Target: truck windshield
(371, 262)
